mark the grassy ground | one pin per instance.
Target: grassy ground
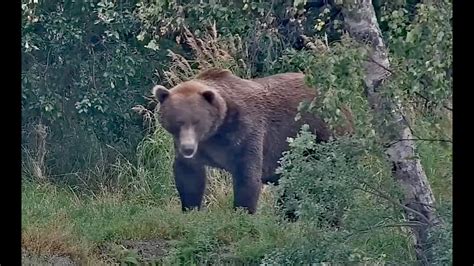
(140, 219)
(89, 228)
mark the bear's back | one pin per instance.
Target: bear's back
(276, 93)
(267, 105)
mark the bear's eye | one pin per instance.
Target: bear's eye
(194, 122)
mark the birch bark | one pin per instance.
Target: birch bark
(361, 23)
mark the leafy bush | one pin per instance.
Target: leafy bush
(82, 71)
(336, 186)
(341, 190)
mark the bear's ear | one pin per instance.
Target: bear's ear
(209, 96)
(160, 93)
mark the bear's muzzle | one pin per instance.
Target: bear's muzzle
(188, 142)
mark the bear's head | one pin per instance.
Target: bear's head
(192, 112)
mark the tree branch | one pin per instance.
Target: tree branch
(371, 59)
(378, 193)
(406, 224)
(429, 100)
(433, 140)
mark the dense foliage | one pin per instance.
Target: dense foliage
(82, 71)
(88, 66)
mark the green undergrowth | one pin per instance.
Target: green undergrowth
(93, 221)
(86, 225)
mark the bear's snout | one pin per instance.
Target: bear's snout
(188, 142)
(188, 150)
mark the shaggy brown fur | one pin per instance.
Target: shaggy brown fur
(238, 125)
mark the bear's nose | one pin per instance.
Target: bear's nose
(188, 150)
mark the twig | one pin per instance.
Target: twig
(428, 100)
(381, 195)
(407, 121)
(406, 224)
(47, 64)
(400, 140)
(93, 68)
(371, 59)
(380, 65)
(448, 108)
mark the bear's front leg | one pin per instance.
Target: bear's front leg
(247, 177)
(190, 179)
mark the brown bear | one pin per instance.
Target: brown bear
(220, 120)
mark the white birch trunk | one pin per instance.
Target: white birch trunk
(361, 23)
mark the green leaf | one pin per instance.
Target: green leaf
(299, 2)
(298, 116)
(440, 36)
(412, 35)
(130, 259)
(153, 45)
(141, 36)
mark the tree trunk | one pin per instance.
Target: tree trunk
(362, 25)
